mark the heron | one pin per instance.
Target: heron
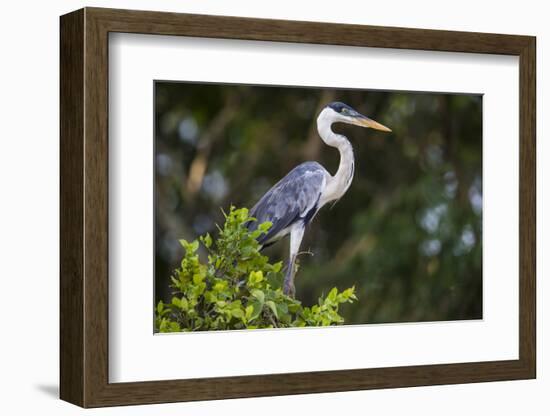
(292, 203)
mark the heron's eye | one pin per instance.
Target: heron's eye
(345, 110)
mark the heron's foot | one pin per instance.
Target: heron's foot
(288, 284)
(289, 289)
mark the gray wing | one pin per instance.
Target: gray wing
(294, 198)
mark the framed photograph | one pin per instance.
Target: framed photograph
(256, 207)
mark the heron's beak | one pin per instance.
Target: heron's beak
(367, 122)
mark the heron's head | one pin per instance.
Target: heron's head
(337, 112)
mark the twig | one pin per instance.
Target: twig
(270, 315)
(311, 253)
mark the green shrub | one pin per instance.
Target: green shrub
(238, 288)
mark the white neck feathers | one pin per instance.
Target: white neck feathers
(338, 184)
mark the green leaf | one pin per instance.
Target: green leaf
(210, 297)
(258, 294)
(282, 308)
(257, 310)
(248, 311)
(176, 301)
(180, 303)
(255, 277)
(237, 313)
(197, 278)
(332, 294)
(207, 240)
(273, 308)
(174, 327)
(277, 267)
(265, 226)
(294, 308)
(189, 248)
(220, 286)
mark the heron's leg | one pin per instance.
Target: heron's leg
(296, 235)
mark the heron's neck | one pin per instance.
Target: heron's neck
(340, 182)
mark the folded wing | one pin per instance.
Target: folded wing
(291, 201)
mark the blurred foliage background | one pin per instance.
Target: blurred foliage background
(407, 233)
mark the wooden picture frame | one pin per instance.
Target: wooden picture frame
(84, 207)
